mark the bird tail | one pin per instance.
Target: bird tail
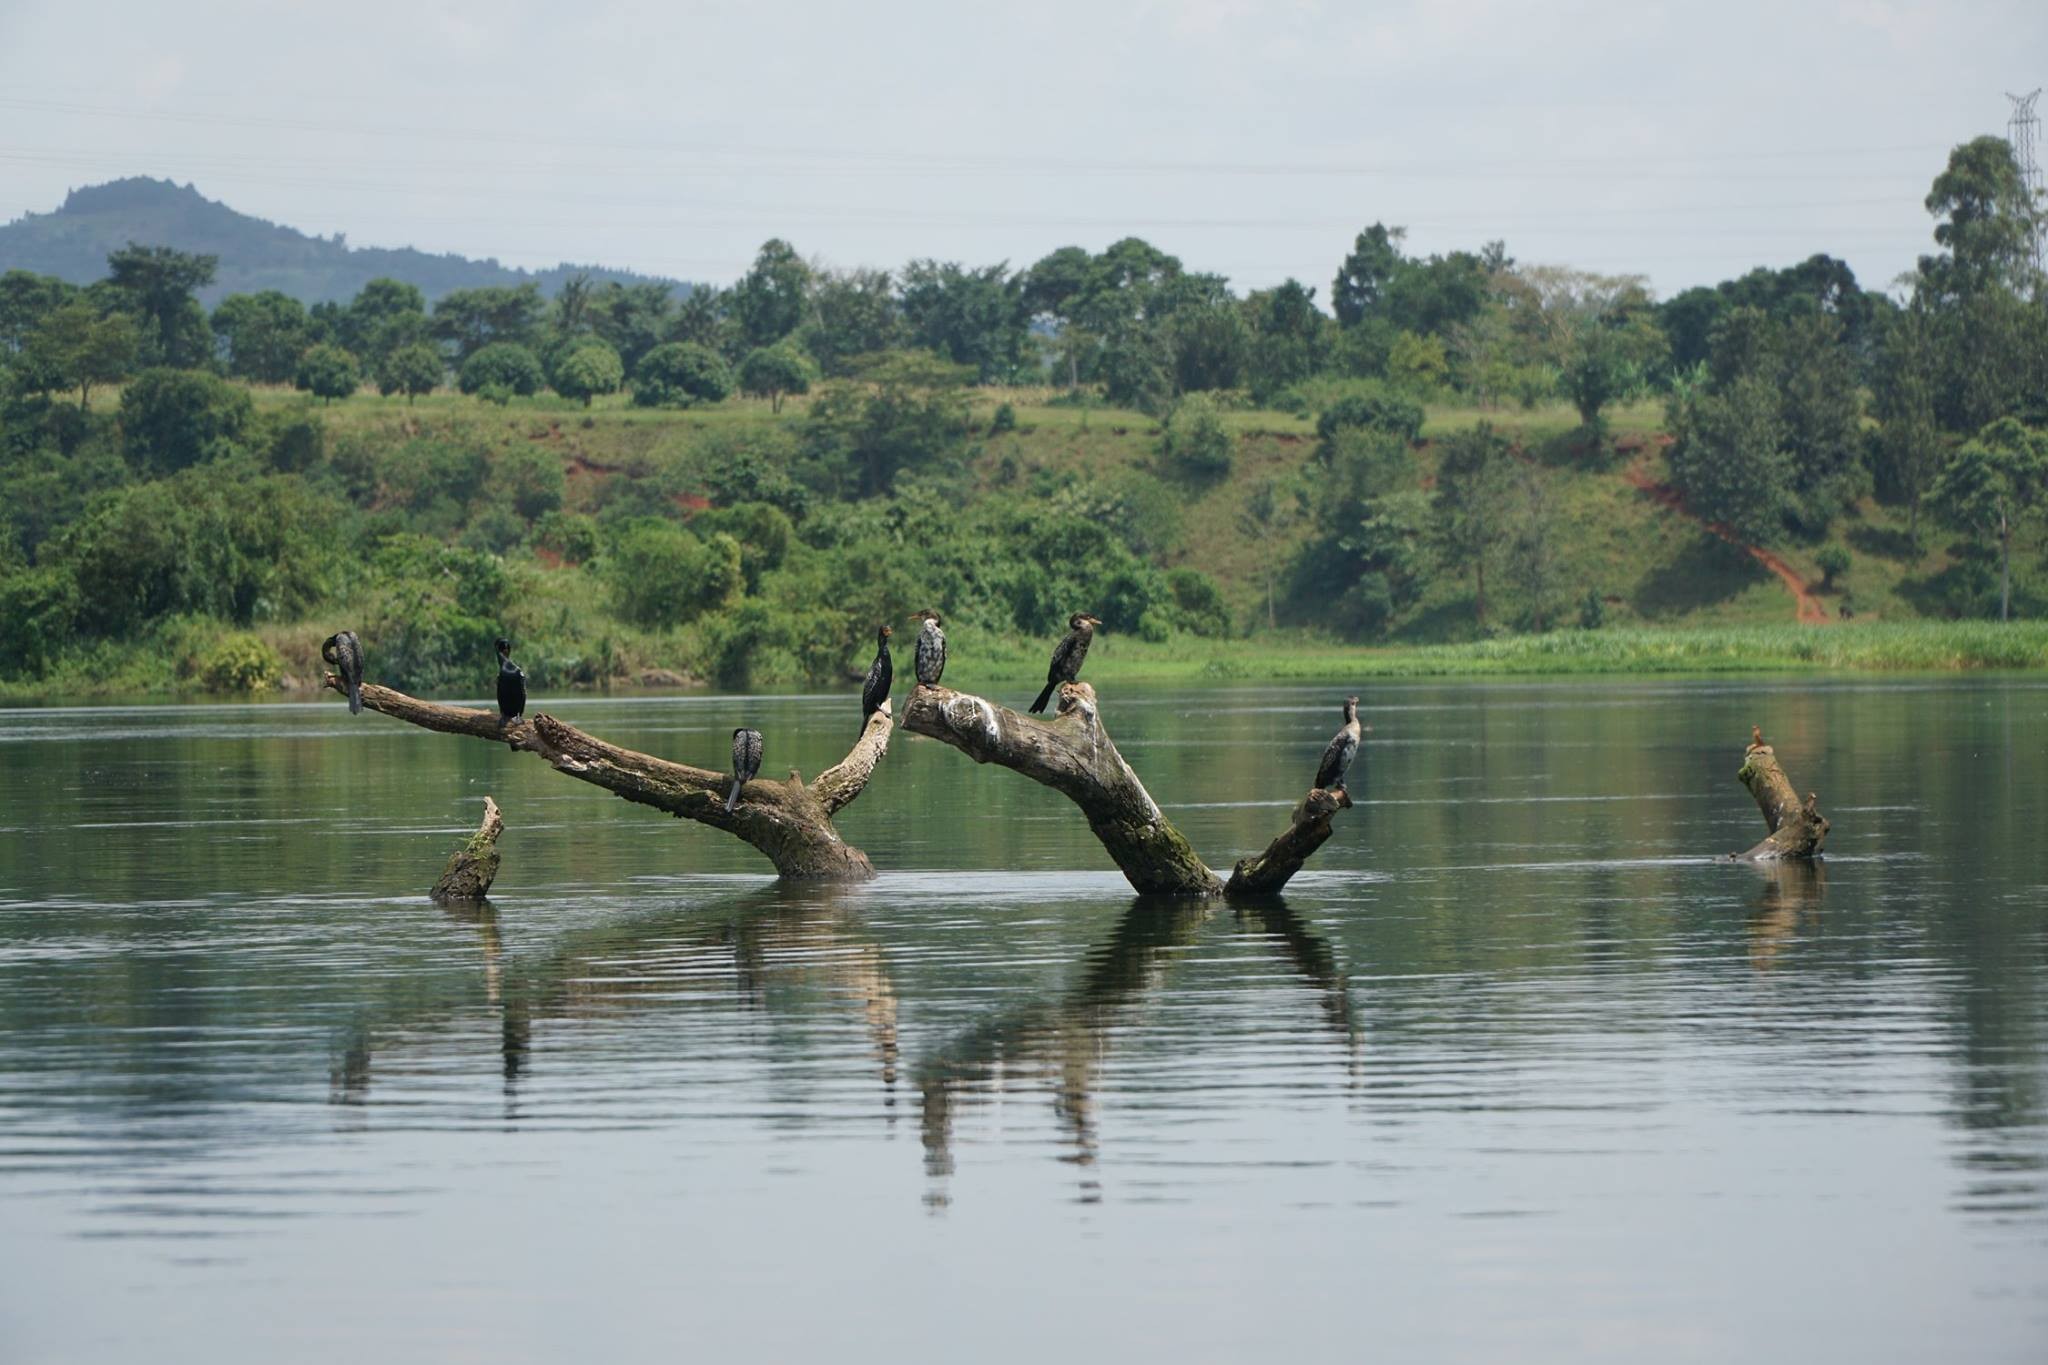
(355, 698)
(1043, 697)
(732, 797)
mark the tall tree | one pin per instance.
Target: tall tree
(1469, 506)
(161, 281)
(470, 319)
(1364, 277)
(969, 315)
(263, 335)
(1988, 222)
(76, 347)
(1995, 482)
(770, 299)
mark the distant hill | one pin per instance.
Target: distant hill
(73, 243)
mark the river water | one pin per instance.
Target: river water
(1517, 1070)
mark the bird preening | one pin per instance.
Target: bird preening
(345, 652)
(931, 649)
(1067, 656)
(511, 685)
(1343, 747)
(746, 762)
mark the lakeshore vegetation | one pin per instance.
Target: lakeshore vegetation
(1465, 463)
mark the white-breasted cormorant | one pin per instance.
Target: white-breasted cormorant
(1342, 749)
(345, 652)
(881, 673)
(746, 762)
(511, 685)
(931, 649)
(1067, 655)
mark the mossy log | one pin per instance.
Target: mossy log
(1797, 828)
(472, 868)
(1072, 753)
(789, 823)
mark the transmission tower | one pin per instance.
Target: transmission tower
(2020, 131)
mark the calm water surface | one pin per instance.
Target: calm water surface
(1516, 1071)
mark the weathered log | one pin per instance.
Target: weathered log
(1072, 753)
(472, 868)
(789, 823)
(1797, 828)
(1309, 830)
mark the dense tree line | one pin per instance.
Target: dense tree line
(1792, 394)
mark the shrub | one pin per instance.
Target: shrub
(571, 535)
(1004, 420)
(590, 369)
(327, 372)
(1195, 442)
(38, 612)
(240, 663)
(173, 419)
(504, 367)
(1370, 410)
(1198, 603)
(410, 370)
(1834, 562)
(679, 373)
(660, 575)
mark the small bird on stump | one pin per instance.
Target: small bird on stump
(1756, 736)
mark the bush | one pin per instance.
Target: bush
(173, 419)
(240, 663)
(504, 367)
(679, 373)
(1198, 603)
(571, 535)
(1834, 562)
(327, 372)
(590, 369)
(661, 576)
(1004, 420)
(297, 443)
(771, 371)
(1195, 442)
(1370, 410)
(533, 479)
(38, 612)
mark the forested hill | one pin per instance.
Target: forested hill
(72, 244)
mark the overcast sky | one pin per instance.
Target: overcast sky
(1685, 141)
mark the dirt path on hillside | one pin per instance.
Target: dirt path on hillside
(1808, 609)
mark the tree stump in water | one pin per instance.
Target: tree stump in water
(1797, 828)
(473, 867)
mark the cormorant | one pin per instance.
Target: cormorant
(345, 652)
(881, 673)
(1342, 749)
(746, 761)
(931, 649)
(511, 685)
(1067, 655)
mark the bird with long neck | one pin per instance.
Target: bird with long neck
(1343, 747)
(1067, 656)
(511, 685)
(874, 691)
(930, 658)
(345, 652)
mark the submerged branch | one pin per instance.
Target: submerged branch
(1307, 832)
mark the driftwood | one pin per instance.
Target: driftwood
(790, 824)
(1797, 828)
(472, 868)
(1072, 753)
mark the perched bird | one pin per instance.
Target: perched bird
(345, 652)
(1067, 655)
(931, 649)
(881, 673)
(746, 762)
(1756, 736)
(1342, 749)
(511, 685)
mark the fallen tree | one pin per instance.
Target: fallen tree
(1072, 753)
(1797, 828)
(790, 823)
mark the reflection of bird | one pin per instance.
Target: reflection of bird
(1342, 749)
(881, 673)
(1756, 736)
(746, 761)
(511, 685)
(345, 652)
(931, 649)
(1067, 655)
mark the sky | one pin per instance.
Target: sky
(1685, 142)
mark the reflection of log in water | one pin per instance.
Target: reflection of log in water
(1068, 1038)
(782, 935)
(1790, 890)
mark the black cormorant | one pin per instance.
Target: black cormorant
(746, 761)
(931, 649)
(1067, 655)
(881, 673)
(1343, 748)
(511, 685)
(345, 652)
